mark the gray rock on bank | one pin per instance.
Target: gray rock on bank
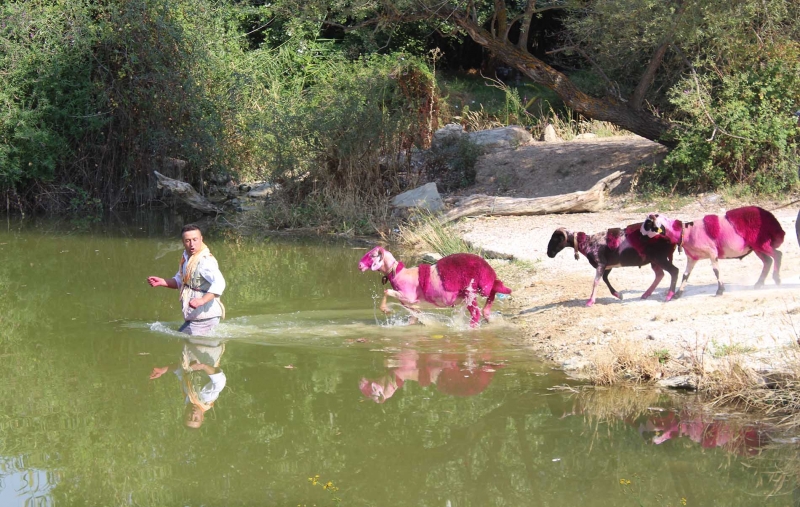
(502, 138)
(424, 197)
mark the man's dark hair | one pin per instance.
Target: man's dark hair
(190, 227)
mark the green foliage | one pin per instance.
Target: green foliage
(662, 355)
(97, 95)
(46, 96)
(739, 129)
(451, 162)
(336, 133)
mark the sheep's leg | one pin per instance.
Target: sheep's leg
(673, 275)
(472, 305)
(686, 272)
(613, 291)
(659, 276)
(776, 272)
(487, 308)
(597, 276)
(407, 303)
(720, 285)
(767, 260)
(384, 308)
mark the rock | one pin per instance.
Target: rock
(679, 382)
(244, 188)
(431, 257)
(424, 197)
(573, 364)
(503, 138)
(450, 130)
(260, 190)
(586, 135)
(550, 135)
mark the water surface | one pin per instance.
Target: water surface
(318, 383)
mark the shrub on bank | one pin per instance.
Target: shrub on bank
(738, 128)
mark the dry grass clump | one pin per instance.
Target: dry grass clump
(568, 126)
(626, 361)
(334, 210)
(609, 405)
(425, 232)
(777, 395)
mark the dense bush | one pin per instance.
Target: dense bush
(334, 130)
(451, 162)
(738, 128)
(97, 94)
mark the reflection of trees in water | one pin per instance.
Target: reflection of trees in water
(113, 436)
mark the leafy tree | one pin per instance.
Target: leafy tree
(639, 55)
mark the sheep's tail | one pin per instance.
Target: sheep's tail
(499, 288)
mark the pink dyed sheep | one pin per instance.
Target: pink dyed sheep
(739, 232)
(450, 280)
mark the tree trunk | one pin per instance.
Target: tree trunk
(576, 202)
(607, 109)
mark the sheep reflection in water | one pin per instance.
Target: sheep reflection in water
(453, 374)
(708, 432)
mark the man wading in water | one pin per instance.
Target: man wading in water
(200, 283)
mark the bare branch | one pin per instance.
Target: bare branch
(717, 128)
(525, 25)
(649, 76)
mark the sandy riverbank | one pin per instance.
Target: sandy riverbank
(697, 333)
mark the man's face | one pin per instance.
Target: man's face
(192, 241)
(193, 416)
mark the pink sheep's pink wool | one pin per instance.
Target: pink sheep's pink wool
(453, 278)
(732, 236)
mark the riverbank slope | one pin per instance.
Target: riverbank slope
(691, 336)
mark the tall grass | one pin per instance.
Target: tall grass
(426, 232)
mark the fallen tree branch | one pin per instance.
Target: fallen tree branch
(186, 193)
(575, 202)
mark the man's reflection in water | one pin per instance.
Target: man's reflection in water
(454, 374)
(200, 376)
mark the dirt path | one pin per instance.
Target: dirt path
(757, 327)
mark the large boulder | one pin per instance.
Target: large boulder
(260, 191)
(503, 138)
(451, 130)
(424, 197)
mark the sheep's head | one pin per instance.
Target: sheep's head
(378, 390)
(654, 225)
(558, 241)
(373, 260)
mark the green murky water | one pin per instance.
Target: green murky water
(317, 384)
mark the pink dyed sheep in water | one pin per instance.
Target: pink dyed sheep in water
(451, 279)
(733, 236)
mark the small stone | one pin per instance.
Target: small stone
(679, 382)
